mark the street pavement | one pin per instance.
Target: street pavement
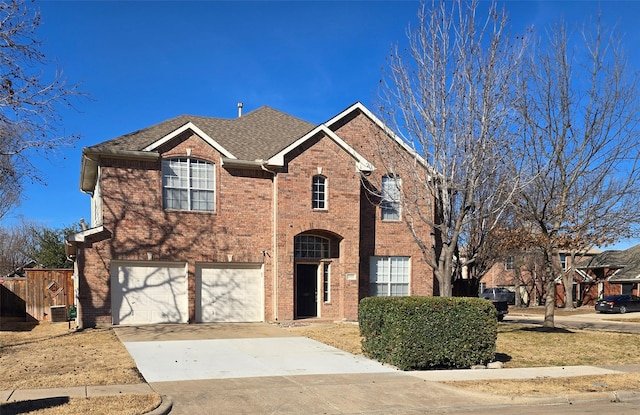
(588, 321)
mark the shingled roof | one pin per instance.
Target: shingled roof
(257, 135)
(627, 262)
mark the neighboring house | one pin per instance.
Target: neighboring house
(611, 273)
(524, 273)
(263, 217)
(519, 273)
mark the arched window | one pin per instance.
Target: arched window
(311, 247)
(319, 192)
(188, 184)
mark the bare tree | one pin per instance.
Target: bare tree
(15, 243)
(10, 185)
(30, 100)
(579, 113)
(450, 97)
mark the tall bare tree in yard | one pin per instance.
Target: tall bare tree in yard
(15, 243)
(30, 101)
(581, 141)
(450, 96)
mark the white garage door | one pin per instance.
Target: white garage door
(229, 294)
(150, 293)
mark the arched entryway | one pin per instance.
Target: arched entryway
(313, 252)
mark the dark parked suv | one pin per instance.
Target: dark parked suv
(499, 294)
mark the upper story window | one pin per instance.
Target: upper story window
(390, 203)
(319, 192)
(311, 246)
(563, 261)
(509, 264)
(188, 184)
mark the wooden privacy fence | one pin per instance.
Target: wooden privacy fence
(36, 295)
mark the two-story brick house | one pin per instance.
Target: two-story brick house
(263, 217)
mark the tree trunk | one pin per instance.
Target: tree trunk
(444, 280)
(567, 280)
(518, 276)
(550, 302)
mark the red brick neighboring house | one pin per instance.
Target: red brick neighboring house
(263, 217)
(531, 278)
(611, 273)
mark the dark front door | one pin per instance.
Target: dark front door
(306, 290)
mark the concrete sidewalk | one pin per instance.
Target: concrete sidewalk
(22, 395)
(75, 392)
(369, 393)
(427, 375)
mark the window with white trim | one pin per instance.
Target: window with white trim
(390, 202)
(563, 261)
(188, 184)
(509, 264)
(319, 192)
(326, 282)
(389, 276)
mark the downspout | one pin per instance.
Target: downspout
(274, 238)
(76, 282)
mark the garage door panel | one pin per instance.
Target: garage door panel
(149, 294)
(230, 294)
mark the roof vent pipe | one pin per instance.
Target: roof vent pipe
(239, 109)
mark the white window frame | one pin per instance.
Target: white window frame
(187, 184)
(390, 202)
(509, 263)
(319, 196)
(326, 282)
(563, 261)
(387, 274)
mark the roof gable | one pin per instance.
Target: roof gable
(358, 106)
(361, 163)
(189, 126)
(627, 264)
(256, 135)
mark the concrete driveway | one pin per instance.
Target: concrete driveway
(227, 351)
(238, 369)
(242, 369)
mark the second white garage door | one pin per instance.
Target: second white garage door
(229, 294)
(147, 293)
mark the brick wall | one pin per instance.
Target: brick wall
(133, 213)
(385, 238)
(339, 222)
(242, 224)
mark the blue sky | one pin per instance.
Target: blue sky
(142, 62)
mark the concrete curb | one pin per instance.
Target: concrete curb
(164, 408)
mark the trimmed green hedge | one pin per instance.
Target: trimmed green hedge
(428, 332)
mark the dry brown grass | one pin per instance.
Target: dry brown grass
(524, 346)
(561, 312)
(50, 355)
(527, 346)
(343, 336)
(105, 405)
(553, 386)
